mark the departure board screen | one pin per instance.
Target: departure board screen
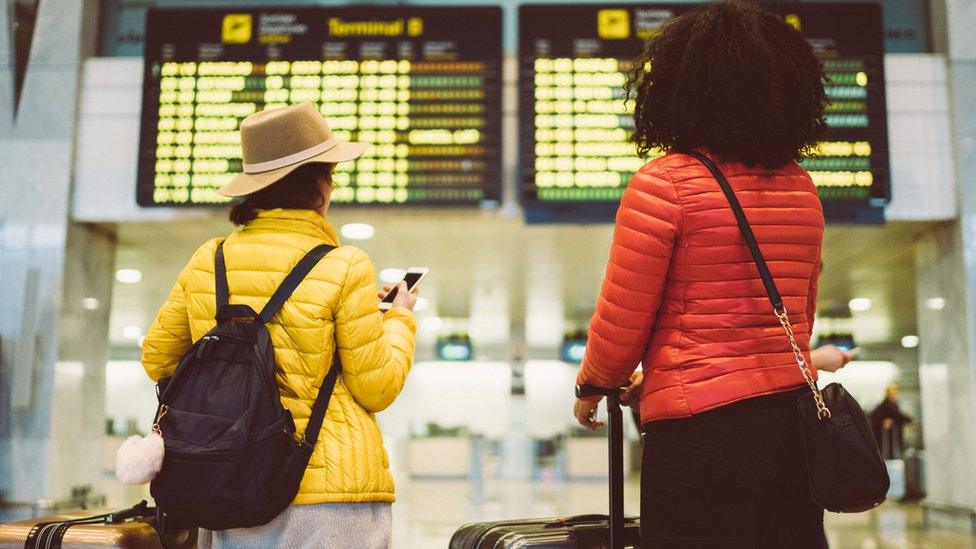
(576, 154)
(421, 85)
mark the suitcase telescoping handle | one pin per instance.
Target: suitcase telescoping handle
(51, 534)
(139, 510)
(615, 427)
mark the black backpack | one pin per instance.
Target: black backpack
(231, 457)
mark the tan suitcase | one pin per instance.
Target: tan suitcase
(131, 528)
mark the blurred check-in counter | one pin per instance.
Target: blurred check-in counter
(586, 458)
(439, 457)
(445, 411)
(453, 416)
(549, 393)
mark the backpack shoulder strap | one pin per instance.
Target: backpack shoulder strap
(321, 404)
(220, 278)
(293, 279)
(278, 299)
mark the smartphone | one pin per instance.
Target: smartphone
(412, 278)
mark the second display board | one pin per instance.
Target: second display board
(576, 156)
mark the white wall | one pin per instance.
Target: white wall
(865, 380)
(923, 186)
(129, 394)
(474, 395)
(106, 153)
(920, 150)
(549, 397)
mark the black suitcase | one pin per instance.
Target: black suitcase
(914, 475)
(582, 531)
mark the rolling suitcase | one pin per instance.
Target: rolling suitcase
(891, 446)
(133, 528)
(582, 531)
(914, 474)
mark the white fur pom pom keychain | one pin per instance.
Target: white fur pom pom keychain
(140, 458)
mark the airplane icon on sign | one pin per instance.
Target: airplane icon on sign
(613, 24)
(236, 28)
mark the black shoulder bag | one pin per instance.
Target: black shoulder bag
(847, 474)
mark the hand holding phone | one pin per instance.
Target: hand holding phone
(830, 358)
(411, 279)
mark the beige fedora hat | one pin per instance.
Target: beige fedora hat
(277, 141)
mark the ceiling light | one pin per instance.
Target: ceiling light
(131, 332)
(128, 276)
(89, 304)
(433, 323)
(859, 304)
(421, 304)
(357, 231)
(392, 276)
(909, 341)
(935, 303)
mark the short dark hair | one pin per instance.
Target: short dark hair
(299, 190)
(732, 78)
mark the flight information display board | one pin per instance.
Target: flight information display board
(576, 157)
(422, 85)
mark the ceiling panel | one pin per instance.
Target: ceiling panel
(508, 275)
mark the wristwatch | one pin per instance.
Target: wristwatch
(586, 391)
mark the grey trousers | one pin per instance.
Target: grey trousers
(325, 526)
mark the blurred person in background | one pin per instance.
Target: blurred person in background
(888, 423)
(723, 464)
(346, 494)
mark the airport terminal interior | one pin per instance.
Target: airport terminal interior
(499, 154)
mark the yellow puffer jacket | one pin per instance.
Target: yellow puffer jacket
(336, 302)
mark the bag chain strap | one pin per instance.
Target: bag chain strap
(774, 297)
(822, 411)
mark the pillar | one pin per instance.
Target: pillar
(946, 271)
(53, 342)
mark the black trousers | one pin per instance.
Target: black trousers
(733, 477)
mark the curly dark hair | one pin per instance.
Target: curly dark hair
(732, 78)
(299, 190)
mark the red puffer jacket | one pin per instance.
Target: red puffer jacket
(682, 295)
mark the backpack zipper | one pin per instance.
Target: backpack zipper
(206, 340)
(204, 343)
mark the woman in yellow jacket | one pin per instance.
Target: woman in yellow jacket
(346, 494)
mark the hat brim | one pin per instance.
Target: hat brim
(247, 183)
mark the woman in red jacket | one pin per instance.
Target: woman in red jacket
(723, 465)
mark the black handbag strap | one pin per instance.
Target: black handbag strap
(771, 291)
(740, 216)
